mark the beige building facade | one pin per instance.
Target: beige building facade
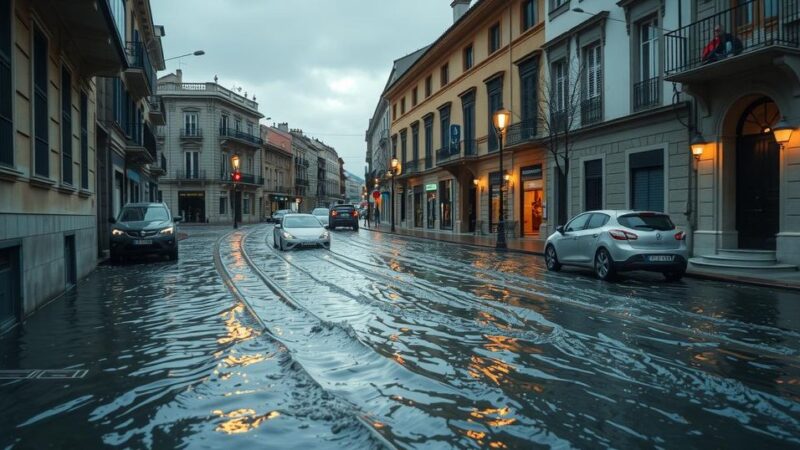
(48, 235)
(450, 177)
(279, 173)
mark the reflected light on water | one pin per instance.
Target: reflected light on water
(245, 360)
(236, 332)
(243, 420)
(505, 343)
(490, 368)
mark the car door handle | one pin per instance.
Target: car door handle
(595, 235)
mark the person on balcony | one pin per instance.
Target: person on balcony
(721, 46)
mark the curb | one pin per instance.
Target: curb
(696, 275)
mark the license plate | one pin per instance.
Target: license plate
(661, 258)
(143, 242)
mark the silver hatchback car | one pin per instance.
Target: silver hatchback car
(615, 241)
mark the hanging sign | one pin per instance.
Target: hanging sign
(430, 187)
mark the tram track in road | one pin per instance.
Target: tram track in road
(228, 280)
(614, 312)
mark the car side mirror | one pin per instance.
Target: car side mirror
(112, 220)
(560, 229)
(178, 218)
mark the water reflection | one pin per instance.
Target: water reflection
(243, 420)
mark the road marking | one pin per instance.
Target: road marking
(42, 374)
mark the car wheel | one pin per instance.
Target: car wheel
(604, 265)
(551, 259)
(674, 275)
(283, 249)
(173, 254)
(116, 258)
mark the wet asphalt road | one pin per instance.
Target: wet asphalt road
(387, 341)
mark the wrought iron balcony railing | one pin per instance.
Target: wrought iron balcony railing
(647, 94)
(521, 132)
(241, 135)
(464, 149)
(591, 110)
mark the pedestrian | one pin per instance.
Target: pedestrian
(377, 216)
(366, 217)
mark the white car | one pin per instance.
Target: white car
(300, 230)
(321, 214)
(615, 241)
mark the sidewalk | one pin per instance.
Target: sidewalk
(786, 280)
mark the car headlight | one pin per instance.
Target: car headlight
(167, 231)
(324, 235)
(287, 235)
(116, 232)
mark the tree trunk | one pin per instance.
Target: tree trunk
(561, 196)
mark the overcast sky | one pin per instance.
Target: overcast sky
(319, 65)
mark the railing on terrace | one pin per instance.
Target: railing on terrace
(211, 88)
(181, 174)
(464, 149)
(241, 135)
(139, 59)
(410, 167)
(591, 110)
(191, 132)
(247, 178)
(746, 27)
(647, 94)
(520, 132)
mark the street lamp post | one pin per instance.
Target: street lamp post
(501, 119)
(393, 174)
(194, 53)
(235, 176)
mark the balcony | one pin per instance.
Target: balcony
(240, 136)
(466, 149)
(409, 168)
(211, 90)
(647, 94)
(140, 77)
(140, 144)
(754, 34)
(157, 114)
(521, 132)
(591, 110)
(190, 175)
(191, 134)
(383, 138)
(301, 162)
(159, 169)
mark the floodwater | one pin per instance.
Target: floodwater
(393, 342)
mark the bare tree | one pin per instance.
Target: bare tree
(559, 111)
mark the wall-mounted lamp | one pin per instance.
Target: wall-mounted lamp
(475, 181)
(782, 132)
(697, 144)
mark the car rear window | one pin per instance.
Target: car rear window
(143, 213)
(344, 208)
(646, 221)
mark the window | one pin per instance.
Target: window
(415, 142)
(591, 104)
(250, 128)
(85, 141)
(6, 90)
(494, 38)
(559, 77)
(66, 126)
(237, 124)
(224, 121)
(428, 86)
(226, 172)
(402, 106)
(469, 58)
(403, 146)
(40, 114)
(429, 138)
(495, 91)
(414, 97)
(468, 110)
(555, 4)
(596, 221)
(394, 111)
(593, 184)
(445, 74)
(647, 180)
(192, 160)
(528, 14)
(648, 49)
(528, 77)
(445, 205)
(444, 129)
(190, 124)
(246, 203)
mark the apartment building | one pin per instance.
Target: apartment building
(128, 110)
(329, 175)
(441, 124)
(49, 57)
(279, 174)
(305, 155)
(206, 126)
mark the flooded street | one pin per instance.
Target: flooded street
(393, 342)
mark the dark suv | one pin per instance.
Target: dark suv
(143, 228)
(343, 216)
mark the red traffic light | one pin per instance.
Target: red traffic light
(236, 176)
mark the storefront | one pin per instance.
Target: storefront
(430, 201)
(192, 206)
(418, 211)
(446, 204)
(532, 199)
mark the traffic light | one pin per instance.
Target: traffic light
(236, 176)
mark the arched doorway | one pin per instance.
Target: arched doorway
(757, 176)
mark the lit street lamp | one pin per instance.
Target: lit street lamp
(235, 176)
(393, 174)
(500, 120)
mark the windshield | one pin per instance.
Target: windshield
(301, 222)
(140, 213)
(320, 212)
(658, 222)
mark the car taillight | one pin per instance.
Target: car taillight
(334, 213)
(355, 213)
(680, 236)
(622, 235)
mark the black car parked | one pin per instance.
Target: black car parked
(343, 216)
(143, 228)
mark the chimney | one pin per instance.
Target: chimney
(284, 127)
(459, 8)
(179, 75)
